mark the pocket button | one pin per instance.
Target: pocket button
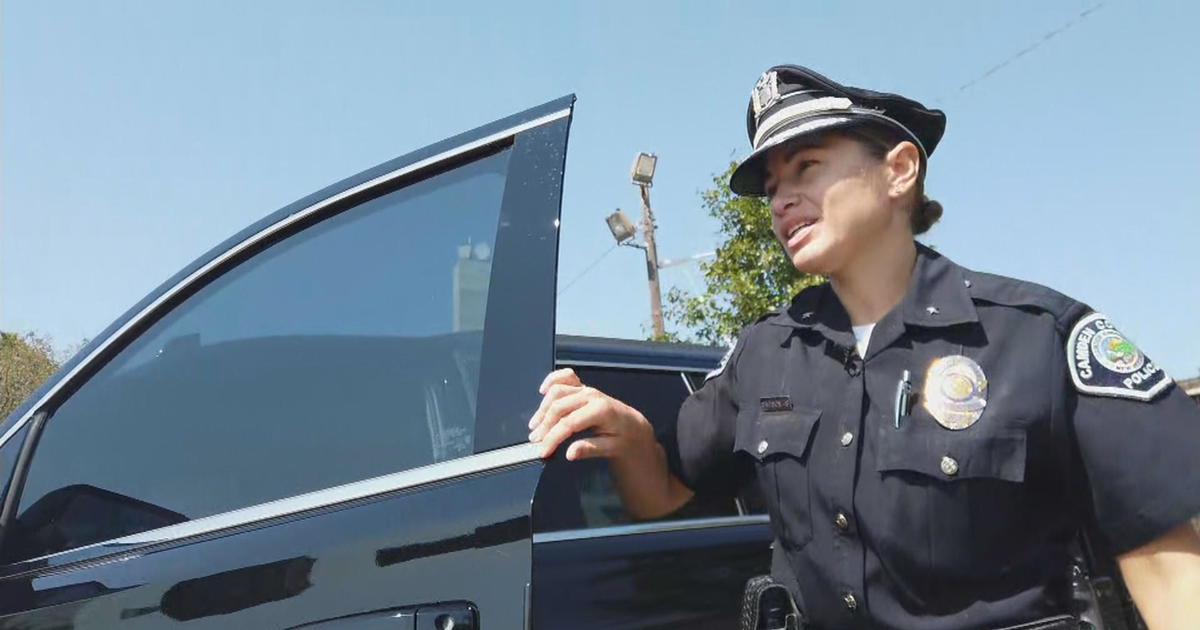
(762, 447)
(949, 466)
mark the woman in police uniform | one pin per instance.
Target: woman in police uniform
(929, 439)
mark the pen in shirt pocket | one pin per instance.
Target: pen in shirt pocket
(903, 388)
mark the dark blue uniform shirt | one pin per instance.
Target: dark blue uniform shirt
(922, 526)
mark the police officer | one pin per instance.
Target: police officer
(928, 439)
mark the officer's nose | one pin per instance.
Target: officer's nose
(782, 203)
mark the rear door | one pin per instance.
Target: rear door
(320, 423)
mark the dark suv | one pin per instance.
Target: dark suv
(321, 423)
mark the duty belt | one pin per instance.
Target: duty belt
(767, 605)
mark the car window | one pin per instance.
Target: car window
(576, 495)
(348, 350)
(696, 379)
(8, 459)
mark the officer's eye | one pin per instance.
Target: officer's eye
(792, 168)
(803, 165)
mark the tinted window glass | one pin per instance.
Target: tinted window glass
(8, 459)
(581, 494)
(346, 351)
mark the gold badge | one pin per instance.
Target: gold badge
(955, 391)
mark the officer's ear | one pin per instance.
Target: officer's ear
(903, 169)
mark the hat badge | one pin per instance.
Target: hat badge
(955, 391)
(766, 92)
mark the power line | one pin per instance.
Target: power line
(1028, 49)
(589, 268)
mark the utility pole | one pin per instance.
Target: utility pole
(623, 230)
(651, 261)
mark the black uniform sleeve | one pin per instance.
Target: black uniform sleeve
(1137, 435)
(700, 449)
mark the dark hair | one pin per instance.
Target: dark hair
(878, 140)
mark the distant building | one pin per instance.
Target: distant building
(471, 275)
(1191, 387)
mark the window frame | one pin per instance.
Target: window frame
(632, 529)
(535, 136)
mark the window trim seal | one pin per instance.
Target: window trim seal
(298, 504)
(656, 367)
(268, 231)
(650, 528)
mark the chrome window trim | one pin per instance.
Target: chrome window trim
(651, 528)
(630, 366)
(687, 384)
(265, 233)
(318, 499)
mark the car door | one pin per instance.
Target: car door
(319, 424)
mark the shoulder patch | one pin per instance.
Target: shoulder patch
(724, 361)
(1104, 362)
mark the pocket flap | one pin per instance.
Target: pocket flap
(948, 456)
(762, 434)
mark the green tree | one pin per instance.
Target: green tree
(25, 363)
(749, 276)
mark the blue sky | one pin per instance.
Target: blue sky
(136, 135)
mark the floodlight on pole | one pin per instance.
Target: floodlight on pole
(621, 227)
(642, 171)
(642, 174)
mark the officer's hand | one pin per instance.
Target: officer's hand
(568, 407)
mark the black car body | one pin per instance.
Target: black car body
(321, 423)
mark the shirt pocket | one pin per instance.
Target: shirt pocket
(779, 443)
(951, 457)
(954, 496)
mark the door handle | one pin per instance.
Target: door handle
(451, 616)
(399, 619)
(446, 616)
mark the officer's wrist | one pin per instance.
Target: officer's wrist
(642, 445)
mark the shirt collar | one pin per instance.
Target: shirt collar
(817, 308)
(938, 295)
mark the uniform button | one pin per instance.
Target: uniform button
(949, 466)
(932, 310)
(847, 438)
(842, 522)
(762, 448)
(967, 283)
(851, 601)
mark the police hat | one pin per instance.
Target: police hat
(792, 101)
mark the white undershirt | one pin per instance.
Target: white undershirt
(862, 337)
